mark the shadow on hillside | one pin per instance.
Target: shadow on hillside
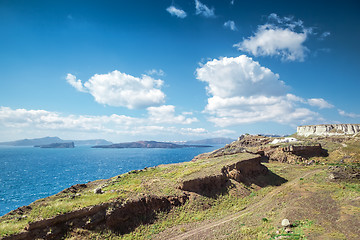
(212, 186)
(269, 179)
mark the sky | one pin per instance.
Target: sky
(176, 70)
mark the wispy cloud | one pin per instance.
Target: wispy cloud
(324, 35)
(231, 25)
(346, 114)
(77, 84)
(203, 10)
(121, 90)
(282, 37)
(176, 12)
(157, 72)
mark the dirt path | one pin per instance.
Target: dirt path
(208, 226)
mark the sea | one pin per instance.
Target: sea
(29, 173)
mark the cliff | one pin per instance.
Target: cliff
(328, 130)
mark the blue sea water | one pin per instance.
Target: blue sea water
(28, 173)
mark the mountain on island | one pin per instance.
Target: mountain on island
(148, 144)
(51, 140)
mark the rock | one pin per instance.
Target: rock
(311, 162)
(333, 176)
(285, 223)
(328, 130)
(98, 191)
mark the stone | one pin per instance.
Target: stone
(98, 191)
(333, 176)
(328, 130)
(285, 223)
(311, 162)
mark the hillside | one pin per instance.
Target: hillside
(241, 191)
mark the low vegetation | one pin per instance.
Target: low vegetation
(320, 199)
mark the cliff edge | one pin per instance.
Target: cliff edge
(328, 130)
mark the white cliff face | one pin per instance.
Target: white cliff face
(328, 129)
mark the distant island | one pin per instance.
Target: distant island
(148, 144)
(51, 140)
(57, 145)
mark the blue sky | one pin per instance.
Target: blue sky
(176, 70)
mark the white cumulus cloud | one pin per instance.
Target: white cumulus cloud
(176, 12)
(203, 10)
(121, 89)
(240, 76)
(284, 37)
(231, 25)
(242, 91)
(166, 114)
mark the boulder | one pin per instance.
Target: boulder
(285, 223)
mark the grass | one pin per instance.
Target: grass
(161, 181)
(264, 223)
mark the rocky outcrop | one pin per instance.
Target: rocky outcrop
(239, 146)
(245, 171)
(328, 130)
(289, 152)
(125, 218)
(207, 186)
(241, 171)
(293, 153)
(117, 216)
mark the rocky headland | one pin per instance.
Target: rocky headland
(244, 190)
